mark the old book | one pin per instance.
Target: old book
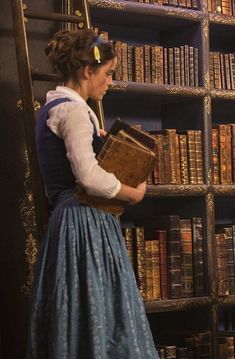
(222, 71)
(139, 64)
(171, 66)
(196, 64)
(128, 237)
(182, 70)
(130, 162)
(212, 78)
(186, 65)
(232, 126)
(198, 257)
(165, 61)
(191, 156)
(184, 172)
(130, 67)
(118, 50)
(159, 168)
(222, 153)
(228, 141)
(155, 246)
(217, 70)
(215, 156)
(227, 72)
(222, 264)
(186, 257)
(232, 70)
(162, 238)
(140, 260)
(228, 231)
(176, 51)
(149, 270)
(124, 61)
(191, 66)
(198, 150)
(147, 64)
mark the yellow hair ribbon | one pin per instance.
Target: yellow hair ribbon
(97, 54)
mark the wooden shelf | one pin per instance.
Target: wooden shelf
(221, 19)
(224, 190)
(177, 190)
(222, 94)
(229, 300)
(165, 90)
(177, 304)
(132, 14)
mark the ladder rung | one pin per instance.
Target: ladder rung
(53, 16)
(41, 76)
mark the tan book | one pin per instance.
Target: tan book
(183, 159)
(130, 163)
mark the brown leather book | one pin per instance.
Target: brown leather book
(215, 156)
(198, 257)
(149, 270)
(186, 257)
(140, 260)
(131, 163)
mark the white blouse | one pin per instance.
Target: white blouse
(71, 121)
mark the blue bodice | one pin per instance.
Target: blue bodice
(54, 164)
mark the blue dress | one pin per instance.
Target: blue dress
(85, 303)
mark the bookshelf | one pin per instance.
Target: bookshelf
(170, 106)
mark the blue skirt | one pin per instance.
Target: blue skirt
(86, 303)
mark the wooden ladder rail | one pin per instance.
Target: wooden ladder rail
(26, 75)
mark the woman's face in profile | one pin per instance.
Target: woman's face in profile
(101, 79)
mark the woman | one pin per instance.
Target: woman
(85, 301)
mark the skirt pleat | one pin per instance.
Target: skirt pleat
(86, 304)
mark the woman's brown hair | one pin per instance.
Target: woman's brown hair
(69, 51)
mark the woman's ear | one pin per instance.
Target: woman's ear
(87, 72)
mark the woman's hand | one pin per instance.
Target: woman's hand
(130, 194)
(102, 133)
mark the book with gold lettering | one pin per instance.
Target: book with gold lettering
(129, 158)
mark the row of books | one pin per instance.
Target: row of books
(190, 344)
(167, 254)
(190, 4)
(178, 157)
(226, 346)
(225, 7)
(223, 150)
(157, 64)
(225, 258)
(222, 70)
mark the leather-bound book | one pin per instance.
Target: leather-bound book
(222, 71)
(118, 50)
(165, 62)
(140, 260)
(222, 264)
(130, 63)
(149, 270)
(228, 141)
(233, 150)
(155, 246)
(191, 66)
(147, 64)
(162, 237)
(186, 257)
(176, 51)
(171, 66)
(232, 69)
(182, 70)
(227, 72)
(215, 156)
(159, 168)
(128, 237)
(186, 64)
(198, 257)
(222, 153)
(184, 172)
(129, 160)
(211, 71)
(218, 68)
(139, 63)
(124, 62)
(198, 149)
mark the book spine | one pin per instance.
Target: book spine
(217, 70)
(130, 62)
(124, 62)
(149, 270)
(222, 153)
(232, 70)
(176, 51)
(162, 235)
(177, 159)
(222, 71)
(212, 77)
(159, 170)
(165, 58)
(222, 264)
(140, 260)
(233, 150)
(215, 156)
(196, 66)
(198, 149)
(191, 66)
(192, 157)
(182, 70)
(147, 64)
(183, 159)
(198, 257)
(155, 247)
(227, 72)
(118, 50)
(173, 258)
(128, 237)
(186, 64)
(171, 66)
(186, 257)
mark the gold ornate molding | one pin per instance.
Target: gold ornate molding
(209, 177)
(27, 211)
(210, 201)
(223, 94)
(120, 86)
(207, 80)
(205, 27)
(108, 4)
(177, 90)
(19, 105)
(222, 19)
(207, 102)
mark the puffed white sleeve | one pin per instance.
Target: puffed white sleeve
(76, 129)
